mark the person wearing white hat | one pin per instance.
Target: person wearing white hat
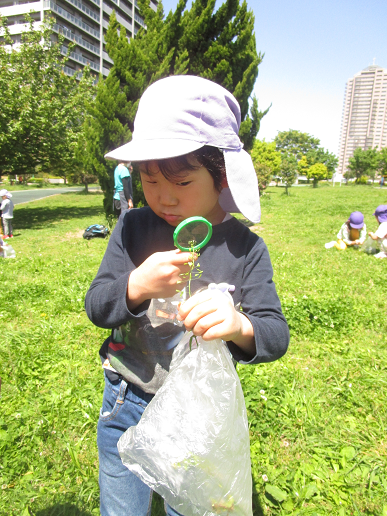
(6, 208)
(186, 148)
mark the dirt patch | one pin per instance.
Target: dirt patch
(74, 234)
(257, 228)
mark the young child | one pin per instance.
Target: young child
(191, 162)
(6, 208)
(352, 233)
(381, 232)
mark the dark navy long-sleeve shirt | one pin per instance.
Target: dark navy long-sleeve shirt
(141, 344)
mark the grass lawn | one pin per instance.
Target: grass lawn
(317, 416)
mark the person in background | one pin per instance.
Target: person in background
(123, 191)
(6, 208)
(381, 233)
(353, 232)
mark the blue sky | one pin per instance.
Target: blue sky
(311, 49)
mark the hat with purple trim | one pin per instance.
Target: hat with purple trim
(381, 213)
(356, 220)
(180, 114)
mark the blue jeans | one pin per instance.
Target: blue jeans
(121, 492)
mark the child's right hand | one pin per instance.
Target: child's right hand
(158, 276)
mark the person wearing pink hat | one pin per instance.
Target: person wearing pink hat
(191, 162)
(381, 233)
(6, 208)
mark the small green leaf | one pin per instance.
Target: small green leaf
(276, 493)
(311, 490)
(348, 452)
(3, 435)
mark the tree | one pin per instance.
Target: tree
(288, 172)
(217, 45)
(266, 161)
(303, 166)
(42, 109)
(296, 143)
(382, 161)
(323, 156)
(317, 172)
(264, 176)
(362, 163)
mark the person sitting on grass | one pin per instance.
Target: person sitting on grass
(381, 233)
(191, 163)
(352, 233)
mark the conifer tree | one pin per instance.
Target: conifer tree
(219, 46)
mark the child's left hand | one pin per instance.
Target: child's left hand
(211, 315)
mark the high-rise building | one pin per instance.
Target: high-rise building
(84, 22)
(364, 120)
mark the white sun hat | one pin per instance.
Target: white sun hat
(5, 192)
(180, 114)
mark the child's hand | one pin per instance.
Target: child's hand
(211, 315)
(158, 276)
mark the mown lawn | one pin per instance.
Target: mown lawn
(317, 417)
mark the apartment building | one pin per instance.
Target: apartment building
(364, 122)
(83, 22)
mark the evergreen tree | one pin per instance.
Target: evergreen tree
(217, 45)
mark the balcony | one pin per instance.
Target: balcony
(139, 21)
(82, 7)
(77, 39)
(50, 5)
(80, 59)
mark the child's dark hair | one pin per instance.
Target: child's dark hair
(209, 157)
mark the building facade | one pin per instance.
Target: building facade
(83, 22)
(364, 122)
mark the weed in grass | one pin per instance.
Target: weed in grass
(317, 417)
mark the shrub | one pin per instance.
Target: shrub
(39, 181)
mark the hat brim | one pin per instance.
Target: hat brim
(356, 226)
(149, 150)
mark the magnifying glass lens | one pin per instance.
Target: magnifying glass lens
(192, 234)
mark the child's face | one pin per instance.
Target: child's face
(191, 194)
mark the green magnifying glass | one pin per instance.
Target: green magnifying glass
(192, 234)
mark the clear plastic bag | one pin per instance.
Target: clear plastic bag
(8, 251)
(192, 443)
(370, 246)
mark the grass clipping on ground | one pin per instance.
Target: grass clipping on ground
(317, 417)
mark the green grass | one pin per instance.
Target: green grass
(318, 440)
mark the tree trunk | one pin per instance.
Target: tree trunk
(315, 183)
(86, 188)
(287, 189)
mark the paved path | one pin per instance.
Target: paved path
(22, 196)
